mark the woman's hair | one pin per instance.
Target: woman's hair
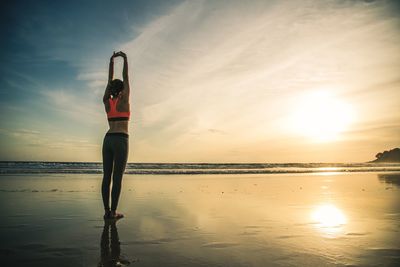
(116, 87)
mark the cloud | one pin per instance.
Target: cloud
(216, 131)
(28, 133)
(240, 69)
(45, 141)
(75, 106)
(226, 74)
(94, 80)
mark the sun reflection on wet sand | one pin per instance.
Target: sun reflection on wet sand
(329, 219)
(210, 220)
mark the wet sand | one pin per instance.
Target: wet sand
(203, 220)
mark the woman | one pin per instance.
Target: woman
(115, 144)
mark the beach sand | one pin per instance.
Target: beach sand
(203, 220)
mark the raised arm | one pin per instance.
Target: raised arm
(125, 75)
(111, 68)
(125, 70)
(107, 92)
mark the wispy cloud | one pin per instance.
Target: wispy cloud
(63, 101)
(240, 69)
(233, 71)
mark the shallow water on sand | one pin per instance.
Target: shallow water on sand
(210, 220)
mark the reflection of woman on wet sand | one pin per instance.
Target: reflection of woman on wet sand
(115, 144)
(110, 247)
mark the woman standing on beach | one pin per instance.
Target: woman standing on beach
(116, 141)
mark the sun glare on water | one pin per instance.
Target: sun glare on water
(321, 116)
(328, 218)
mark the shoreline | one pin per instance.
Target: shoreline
(228, 172)
(194, 168)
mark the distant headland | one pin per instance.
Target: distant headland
(388, 156)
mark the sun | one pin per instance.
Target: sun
(321, 116)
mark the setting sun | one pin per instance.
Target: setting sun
(322, 116)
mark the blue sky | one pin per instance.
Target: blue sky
(213, 81)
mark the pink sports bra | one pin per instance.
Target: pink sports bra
(113, 114)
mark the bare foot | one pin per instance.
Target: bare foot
(107, 215)
(116, 215)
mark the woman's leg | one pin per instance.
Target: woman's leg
(120, 159)
(108, 158)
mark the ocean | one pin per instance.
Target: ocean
(39, 167)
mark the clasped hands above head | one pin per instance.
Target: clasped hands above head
(118, 54)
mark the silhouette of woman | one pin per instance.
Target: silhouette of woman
(116, 140)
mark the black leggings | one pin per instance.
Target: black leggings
(115, 155)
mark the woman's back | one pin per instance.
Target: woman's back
(118, 114)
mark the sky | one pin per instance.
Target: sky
(211, 81)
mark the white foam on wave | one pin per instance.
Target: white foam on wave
(15, 167)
